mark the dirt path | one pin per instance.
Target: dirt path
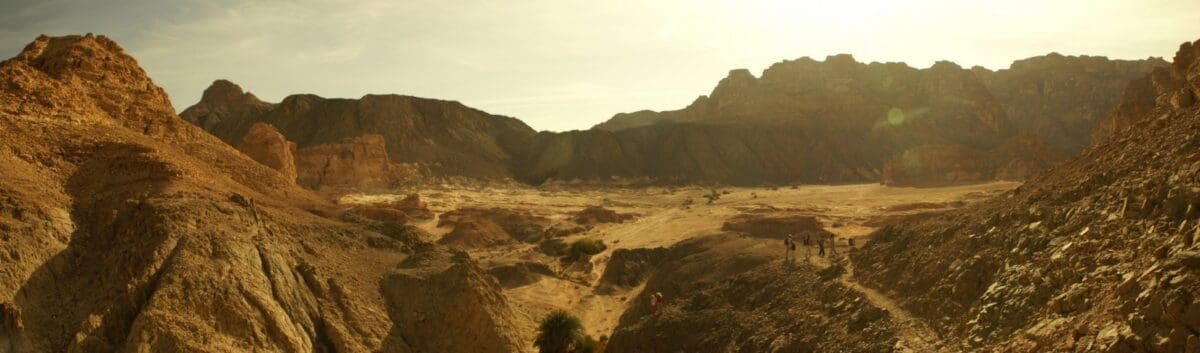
(914, 335)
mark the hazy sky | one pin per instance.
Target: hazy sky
(564, 64)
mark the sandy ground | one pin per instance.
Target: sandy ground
(663, 220)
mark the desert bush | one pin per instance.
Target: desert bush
(559, 332)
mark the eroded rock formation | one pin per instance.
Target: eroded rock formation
(360, 163)
(267, 146)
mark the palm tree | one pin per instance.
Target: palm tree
(558, 332)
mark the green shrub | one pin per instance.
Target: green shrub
(558, 332)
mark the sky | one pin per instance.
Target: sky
(566, 64)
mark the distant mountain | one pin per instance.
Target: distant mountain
(804, 120)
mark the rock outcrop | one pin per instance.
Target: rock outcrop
(442, 302)
(443, 136)
(359, 163)
(267, 146)
(1099, 254)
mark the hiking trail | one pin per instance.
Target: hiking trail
(914, 334)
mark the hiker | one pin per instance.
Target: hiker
(850, 241)
(655, 300)
(821, 247)
(807, 246)
(788, 246)
(832, 245)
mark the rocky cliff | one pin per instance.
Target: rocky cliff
(360, 163)
(1099, 254)
(128, 229)
(447, 137)
(1060, 98)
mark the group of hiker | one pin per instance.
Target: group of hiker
(807, 240)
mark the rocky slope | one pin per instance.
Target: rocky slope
(447, 137)
(1099, 254)
(127, 229)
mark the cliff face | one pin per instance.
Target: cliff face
(448, 137)
(128, 229)
(1060, 98)
(1099, 254)
(360, 163)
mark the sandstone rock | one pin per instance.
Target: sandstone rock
(267, 146)
(361, 163)
(443, 302)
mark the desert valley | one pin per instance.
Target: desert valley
(823, 205)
